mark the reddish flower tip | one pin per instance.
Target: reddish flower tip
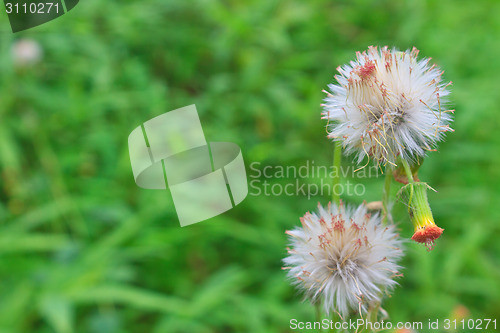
(427, 235)
(366, 70)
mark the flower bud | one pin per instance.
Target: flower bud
(426, 231)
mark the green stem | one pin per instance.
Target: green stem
(373, 313)
(387, 193)
(408, 172)
(419, 205)
(334, 320)
(318, 313)
(409, 175)
(337, 158)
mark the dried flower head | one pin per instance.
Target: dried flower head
(426, 231)
(388, 104)
(343, 257)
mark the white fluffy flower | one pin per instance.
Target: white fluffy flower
(387, 104)
(343, 257)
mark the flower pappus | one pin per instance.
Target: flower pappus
(343, 257)
(387, 105)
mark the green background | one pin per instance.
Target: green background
(83, 249)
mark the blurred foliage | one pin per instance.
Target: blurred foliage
(83, 249)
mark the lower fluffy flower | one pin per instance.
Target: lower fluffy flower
(343, 257)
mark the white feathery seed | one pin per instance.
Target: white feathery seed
(388, 104)
(343, 257)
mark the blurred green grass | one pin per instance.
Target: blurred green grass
(82, 249)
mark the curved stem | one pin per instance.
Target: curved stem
(409, 175)
(373, 313)
(333, 321)
(408, 172)
(318, 314)
(387, 193)
(337, 158)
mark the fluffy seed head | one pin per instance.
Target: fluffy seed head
(343, 257)
(388, 104)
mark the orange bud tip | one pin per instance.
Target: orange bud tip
(427, 235)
